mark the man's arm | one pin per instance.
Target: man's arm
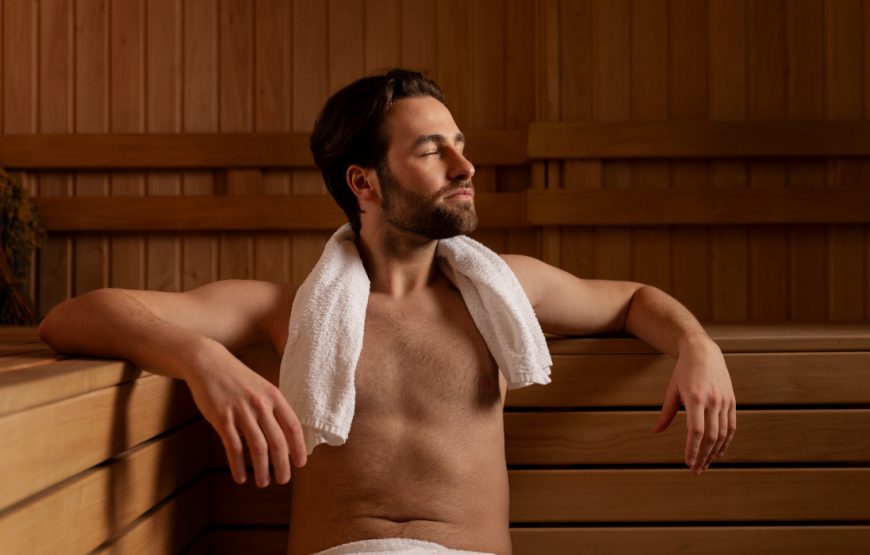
(567, 305)
(189, 336)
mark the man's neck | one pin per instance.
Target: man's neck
(397, 262)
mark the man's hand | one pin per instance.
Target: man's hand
(239, 403)
(701, 383)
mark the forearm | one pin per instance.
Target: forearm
(660, 320)
(110, 323)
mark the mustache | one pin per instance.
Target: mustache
(457, 185)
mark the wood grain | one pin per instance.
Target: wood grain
(85, 430)
(87, 510)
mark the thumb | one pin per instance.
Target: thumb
(669, 410)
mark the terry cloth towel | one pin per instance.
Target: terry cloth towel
(394, 546)
(328, 318)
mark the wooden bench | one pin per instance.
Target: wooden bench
(99, 455)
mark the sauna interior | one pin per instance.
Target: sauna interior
(715, 149)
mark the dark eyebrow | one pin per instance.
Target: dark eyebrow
(437, 138)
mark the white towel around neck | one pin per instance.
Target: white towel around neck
(328, 318)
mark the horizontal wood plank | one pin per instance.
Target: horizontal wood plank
(790, 436)
(167, 528)
(592, 207)
(719, 206)
(250, 213)
(58, 440)
(670, 495)
(775, 494)
(208, 150)
(693, 540)
(82, 513)
(698, 139)
(770, 379)
(618, 540)
(31, 386)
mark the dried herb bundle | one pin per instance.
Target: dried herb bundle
(21, 233)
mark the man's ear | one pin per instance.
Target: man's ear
(363, 182)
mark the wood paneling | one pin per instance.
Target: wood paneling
(678, 97)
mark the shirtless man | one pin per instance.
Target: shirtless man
(425, 457)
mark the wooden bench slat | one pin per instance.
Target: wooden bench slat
(55, 441)
(745, 337)
(29, 387)
(669, 495)
(85, 511)
(28, 360)
(789, 436)
(758, 379)
(167, 528)
(622, 540)
(774, 494)
(692, 540)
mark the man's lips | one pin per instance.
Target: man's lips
(462, 193)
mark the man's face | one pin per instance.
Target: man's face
(426, 181)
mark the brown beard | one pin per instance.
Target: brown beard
(416, 213)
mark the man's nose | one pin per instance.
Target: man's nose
(461, 169)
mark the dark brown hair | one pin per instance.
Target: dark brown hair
(349, 129)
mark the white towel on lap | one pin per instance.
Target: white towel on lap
(328, 319)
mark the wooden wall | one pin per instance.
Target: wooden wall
(238, 66)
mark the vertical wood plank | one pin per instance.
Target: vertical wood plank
(576, 80)
(55, 116)
(91, 251)
(348, 29)
(163, 86)
(729, 269)
(769, 284)
(806, 100)
(382, 41)
(237, 115)
(199, 115)
(519, 96)
(452, 72)
(846, 249)
(548, 109)
(486, 23)
(20, 52)
(865, 164)
(417, 36)
(690, 277)
(310, 44)
(651, 246)
(272, 79)
(127, 115)
(612, 102)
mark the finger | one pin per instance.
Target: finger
(670, 408)
(258, 447)
(695, 425)
(722, 436)
(732, 427)
(233, 447)
(292, 431)
(277, 447)
(711, 434)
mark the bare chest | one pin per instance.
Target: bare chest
(420, 364)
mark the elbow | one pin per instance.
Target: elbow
(62, 317)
